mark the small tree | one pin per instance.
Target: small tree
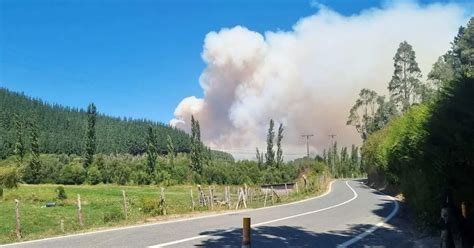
(61, 193)
(370, 113)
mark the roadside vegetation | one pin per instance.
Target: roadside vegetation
(421, 140)
(102, 204)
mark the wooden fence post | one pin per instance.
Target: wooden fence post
(202, 197)
(80, 215)
(238, 200)
(246, 192)
(125, 204)
(211, 198)
(265, 199)
(61, 225)
(229, 194)
(192, 201)
(246, 233)
(286, 189)
(17, 218)
(305, 180)
(162, 201)
(244, 197)
(297, 189)
(273, 201)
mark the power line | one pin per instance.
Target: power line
(307, 142)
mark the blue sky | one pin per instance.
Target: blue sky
(132, 58)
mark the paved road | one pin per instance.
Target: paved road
(344, 216)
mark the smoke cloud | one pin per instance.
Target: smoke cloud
(309, 77)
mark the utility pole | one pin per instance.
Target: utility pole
(307, 142)
(334, 152)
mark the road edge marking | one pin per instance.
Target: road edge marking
(261, 223)
(328, 190)
(377, 226)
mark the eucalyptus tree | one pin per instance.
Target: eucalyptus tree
(406, 87)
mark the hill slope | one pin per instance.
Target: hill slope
(62, 129)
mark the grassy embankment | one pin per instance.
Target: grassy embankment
(103, 206)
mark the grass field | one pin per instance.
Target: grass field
(103, 206)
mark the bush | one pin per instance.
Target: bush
(121, 173)
(9, 177)
(73, 173)
(93, 175)
(141, 178)
(150, 205)
(61, 193)
(113, 216)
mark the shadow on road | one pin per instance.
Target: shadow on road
(295, 236)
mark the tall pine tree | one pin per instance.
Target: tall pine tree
(19, 149)
(33, 169)
(151, 152)
(90, 135)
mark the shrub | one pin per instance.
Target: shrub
(150, 205)
(141, 178)
(113, 216)
(73, 173)
(93, 175)
(61, 193)
(121, 172)
(9, 177)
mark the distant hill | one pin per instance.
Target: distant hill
(62, 129)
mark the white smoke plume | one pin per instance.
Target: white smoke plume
(309, 77)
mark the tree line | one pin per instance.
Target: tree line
(63, 129)
(153, 166)
(421, 141)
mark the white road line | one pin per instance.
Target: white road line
(167, 222)
(372, 229)
(262, 223)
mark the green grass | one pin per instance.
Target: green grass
(103, 207)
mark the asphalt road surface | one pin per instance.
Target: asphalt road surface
(349, 215)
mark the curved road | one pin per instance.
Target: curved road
(344, 216)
